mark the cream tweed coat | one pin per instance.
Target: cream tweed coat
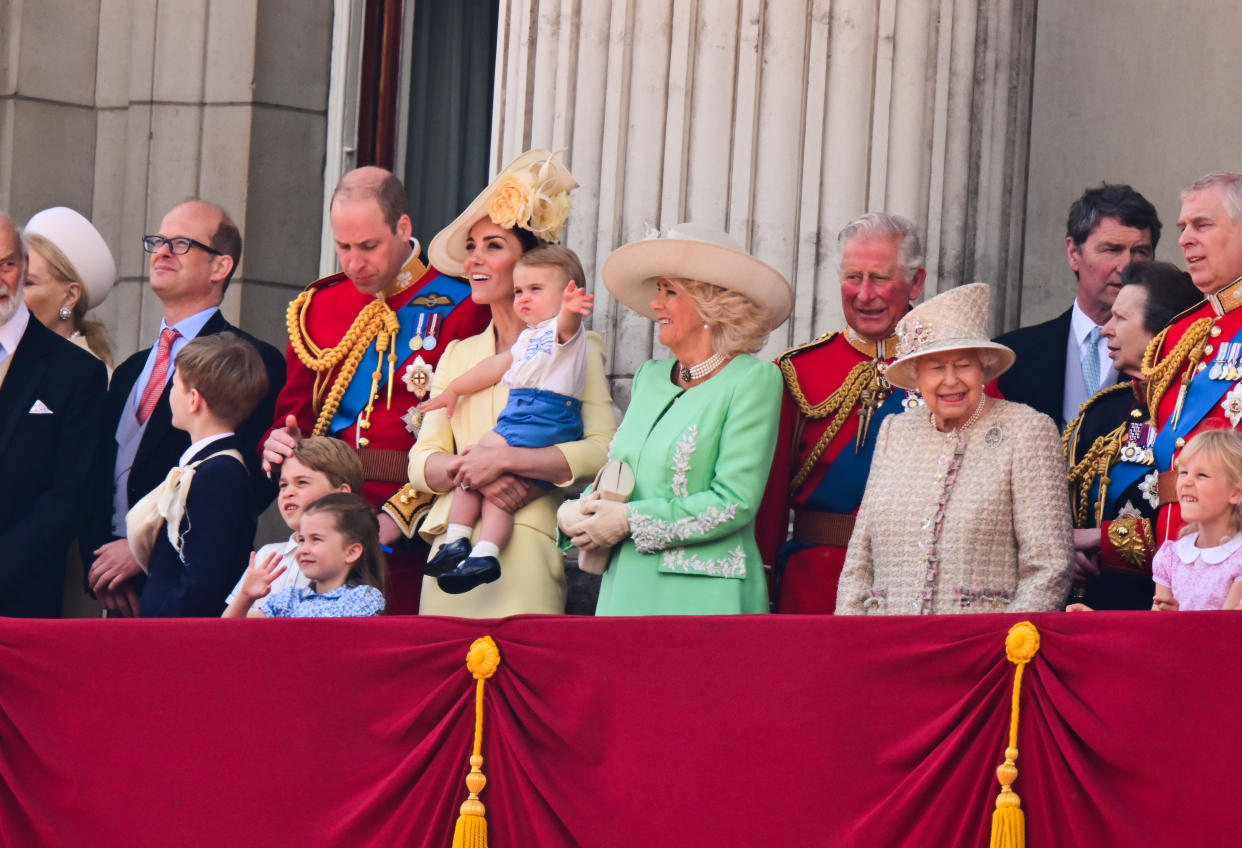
(1005, 540)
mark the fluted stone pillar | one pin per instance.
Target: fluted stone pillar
(778, 121)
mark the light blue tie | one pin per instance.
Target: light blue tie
(1091, 362)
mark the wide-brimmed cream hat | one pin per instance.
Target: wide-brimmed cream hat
(695, 252)
(953, 320)
(532, 192)
(82, 245)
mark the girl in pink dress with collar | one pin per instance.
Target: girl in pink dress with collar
(1202, 570)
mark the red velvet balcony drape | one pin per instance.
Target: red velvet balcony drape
(745, 731)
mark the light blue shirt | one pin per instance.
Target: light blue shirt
(128, 430)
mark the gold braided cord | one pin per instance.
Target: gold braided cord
(376, 321)
(839, 404)
(1161, 374)
(1008, 821)
(1095, 463)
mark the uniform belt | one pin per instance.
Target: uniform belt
(389, 466)
(823, 528)
(1166, 486)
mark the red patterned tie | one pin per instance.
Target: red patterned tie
(155, 386)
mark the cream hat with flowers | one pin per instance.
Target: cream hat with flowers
(953, 320)
(695, 252)
(82, 245)
(532, 192)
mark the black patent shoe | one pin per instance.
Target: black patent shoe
(447, 558)
(474, 571)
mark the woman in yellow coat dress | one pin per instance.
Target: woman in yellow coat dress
(482, 246)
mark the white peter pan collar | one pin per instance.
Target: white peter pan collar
(1187, 552)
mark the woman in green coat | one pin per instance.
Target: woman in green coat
(699, 432)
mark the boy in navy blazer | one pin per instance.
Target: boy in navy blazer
(219, 379)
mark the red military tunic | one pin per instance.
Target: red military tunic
(432, 304)
(1221, 315)
(819, 470)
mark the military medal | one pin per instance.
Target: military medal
(1137, 447)
(1218, 367)
(429, 342)
(1235, 350)
(416, 341)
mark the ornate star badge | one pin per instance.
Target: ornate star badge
(1148, 488)
(417, 378)
(1129, 511)
(1232, 404)
(413, 420)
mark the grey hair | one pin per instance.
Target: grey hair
(1231, 191)
(882, 224)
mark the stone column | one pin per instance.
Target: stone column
(123, 108)
(778, 122)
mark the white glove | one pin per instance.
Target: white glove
(606, 524)
(569, 517)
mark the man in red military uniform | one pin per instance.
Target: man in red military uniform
(362, 346)
(1194, 368)
(835, 398)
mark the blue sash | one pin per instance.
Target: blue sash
(1201, 396)
(1120, 478)
(359, 391)
(841, 489)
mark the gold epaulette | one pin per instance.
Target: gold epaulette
(813, 343)
(408, 508)
(1069, 438)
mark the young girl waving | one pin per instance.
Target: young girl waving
(1202, 570)
(339, 550)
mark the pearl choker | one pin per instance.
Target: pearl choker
(697, 372)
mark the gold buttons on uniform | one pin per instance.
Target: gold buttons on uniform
(1214, 332)
(1180, 443)
(1200, 366)
(1136, 413)
(1208, 349)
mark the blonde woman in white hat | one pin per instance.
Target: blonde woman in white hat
(699, 432)
(71, 270)
(966, 508)
(526, 205)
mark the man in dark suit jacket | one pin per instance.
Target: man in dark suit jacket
(1107, 228)
(192, 258)
(50, 395)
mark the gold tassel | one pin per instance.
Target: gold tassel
(471, 831)
(1008, 822)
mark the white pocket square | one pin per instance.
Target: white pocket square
(40, 408)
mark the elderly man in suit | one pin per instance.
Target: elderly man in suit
(50, 396)
(192, 259)
(1064, 361)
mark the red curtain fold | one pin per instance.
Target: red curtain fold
(754, 730)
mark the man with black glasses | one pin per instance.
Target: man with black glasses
(191, 258)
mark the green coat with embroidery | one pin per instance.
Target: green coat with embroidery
(701, 458)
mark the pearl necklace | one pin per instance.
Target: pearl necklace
(974, 416)
(696, 372)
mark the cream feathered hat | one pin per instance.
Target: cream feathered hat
(953, 320)
(532, 192)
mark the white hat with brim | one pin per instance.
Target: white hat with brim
(953, 320)
(82, 245)
(542, 175)
(695, 252)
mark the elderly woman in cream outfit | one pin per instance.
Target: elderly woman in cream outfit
(966, 508)
(526, 204)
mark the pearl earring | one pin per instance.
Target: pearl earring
(64, 313)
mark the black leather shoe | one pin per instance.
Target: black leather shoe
(447, 558)
(474, 571)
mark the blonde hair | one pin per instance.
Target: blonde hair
(62, 270)
(736, 322)
(333, 459)
(1222, 448)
